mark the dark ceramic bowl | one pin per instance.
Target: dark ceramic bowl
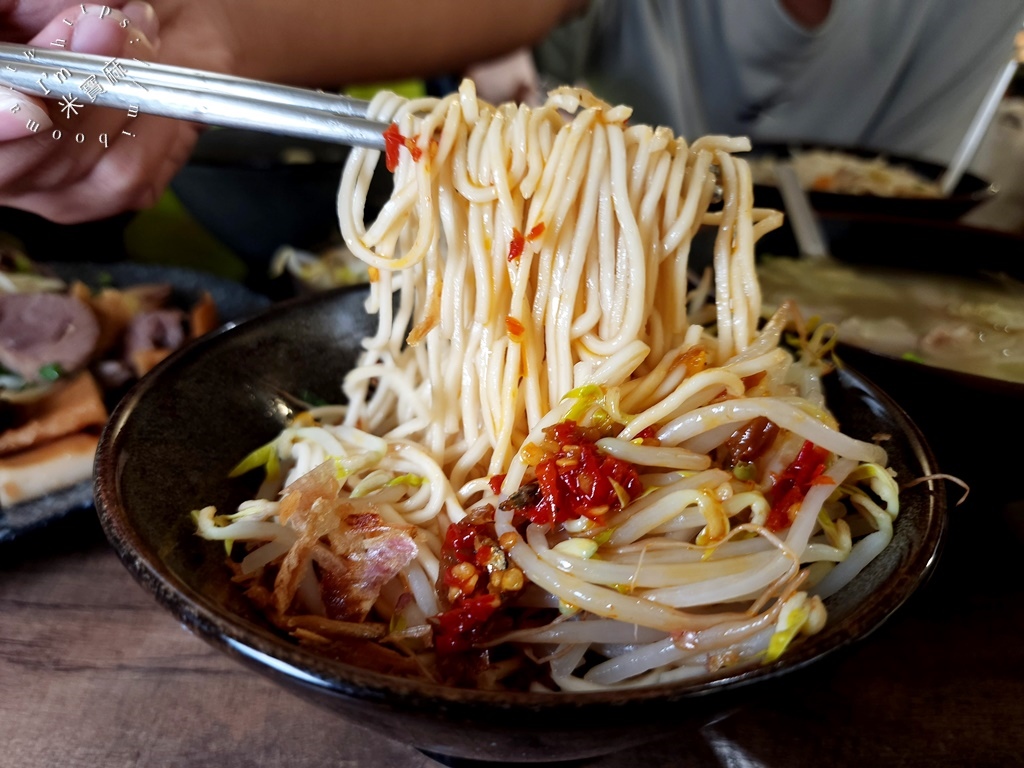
(969, 193)
(973, 420)
(930, 246)
(172, 441)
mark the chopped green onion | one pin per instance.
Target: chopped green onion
(51, 372)
(586, 397)
(745, 471)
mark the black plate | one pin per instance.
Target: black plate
(234, 380)
(969, 193)
(233, 301)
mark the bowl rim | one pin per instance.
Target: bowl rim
(305, 667)
(972, 381)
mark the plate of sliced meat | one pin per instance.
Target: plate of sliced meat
(74, 337)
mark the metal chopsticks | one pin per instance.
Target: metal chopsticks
(979, 126)
(81, 80)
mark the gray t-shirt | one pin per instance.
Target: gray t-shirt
(905, 76)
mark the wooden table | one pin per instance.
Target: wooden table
(93, 673)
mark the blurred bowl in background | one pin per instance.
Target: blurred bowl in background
(257, 192)
(969, 193)
(936, 246)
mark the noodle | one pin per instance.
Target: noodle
(548, 472)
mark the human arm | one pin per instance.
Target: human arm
(328, 42)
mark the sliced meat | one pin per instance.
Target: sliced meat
(156, 329)
(153, 335)
(42, 329)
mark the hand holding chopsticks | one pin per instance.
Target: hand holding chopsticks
(71, 162)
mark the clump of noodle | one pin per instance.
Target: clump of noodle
(603, 283)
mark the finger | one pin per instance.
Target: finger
(143, 19)
(21, 116)
(97, 30)
(159, 176)
(133, 178)
(138, 155)
(84, 28)
(145, 151)
(21, 19)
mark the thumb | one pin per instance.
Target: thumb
(96, 29)
(21, 115)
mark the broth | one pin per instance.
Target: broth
(972, 325)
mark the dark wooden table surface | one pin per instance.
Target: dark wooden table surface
(94, 673)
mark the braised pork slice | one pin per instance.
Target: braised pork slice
(151, 336)
(39, 330)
